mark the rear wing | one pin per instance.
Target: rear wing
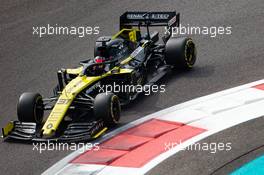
(146, 19)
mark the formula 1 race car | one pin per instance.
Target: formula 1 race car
(81, 109)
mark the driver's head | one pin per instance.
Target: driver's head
(99, 59)
(102, 54)
(107, 47)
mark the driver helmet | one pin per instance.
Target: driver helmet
(105, 49)
(101, 54)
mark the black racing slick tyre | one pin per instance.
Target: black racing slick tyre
(180, 53)
(107, 107)
(30, 108)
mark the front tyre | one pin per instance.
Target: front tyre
(180, 53)
(30, 108)
(107, 107)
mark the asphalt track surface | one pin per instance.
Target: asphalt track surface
(29, 63)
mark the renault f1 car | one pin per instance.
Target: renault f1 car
(80, 109)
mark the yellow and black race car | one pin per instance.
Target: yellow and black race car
(85, 103)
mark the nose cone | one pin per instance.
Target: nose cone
(48, 130)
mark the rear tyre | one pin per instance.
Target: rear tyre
(107, 107)
(180, 53)
(30, 108)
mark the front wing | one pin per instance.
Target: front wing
(74, 132)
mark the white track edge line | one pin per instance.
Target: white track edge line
(57, 167)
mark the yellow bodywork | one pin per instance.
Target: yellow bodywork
(100, 133)
(130, 34)
(72, 89)
(7, 129)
